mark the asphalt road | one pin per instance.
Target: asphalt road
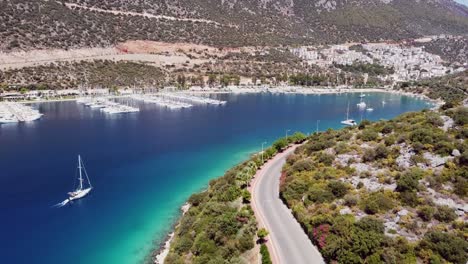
(290, 243)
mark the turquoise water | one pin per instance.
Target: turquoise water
(143, 167)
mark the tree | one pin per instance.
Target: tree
(23, 90)
(262, 233)
(212, 80)
(246, 196)
(280, 144)
(181, 81)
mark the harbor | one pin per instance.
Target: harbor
(11, 112)
(107, 106)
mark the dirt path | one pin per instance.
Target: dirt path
(147, 15)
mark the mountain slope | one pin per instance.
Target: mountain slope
(79, 23)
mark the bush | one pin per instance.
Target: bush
(369, 155)
(369, 135)
(409, 198)
(262, 233)
(451, 247)
(319, 195)
(409, 181)
(460, 116)
(434, 119)
(381, 152)
(378, 202)
(350, 200)
(326, 159)
(426, 212)
(371, 224)
(280, 144)
(445, 214)
(303, 165)
(266, 259)
(387, 129)
(338, 188)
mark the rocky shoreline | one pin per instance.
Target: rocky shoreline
(159, 255)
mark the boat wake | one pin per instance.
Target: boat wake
(65, 202)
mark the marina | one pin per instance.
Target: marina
(107, 106)
(11, 112)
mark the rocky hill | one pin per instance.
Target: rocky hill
(387, 192)
(84, 23)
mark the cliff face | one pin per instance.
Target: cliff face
(84, 23)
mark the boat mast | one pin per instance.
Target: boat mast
(347, 112)
(81, 176)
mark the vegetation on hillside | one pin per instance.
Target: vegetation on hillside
(98, 73)
(453, 89)
(51, 24)
(385, 192)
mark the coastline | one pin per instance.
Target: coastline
(159, 255)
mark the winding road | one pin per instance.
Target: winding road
(288, 243)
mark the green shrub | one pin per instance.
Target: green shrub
(325, 158)
(409, 198)
(371, 224)
(368, 135)
(280, 144)
(378, 202)
(434, 119)
(387, 129)
(319, 195)
(409, 181)
(369, 155)
(451, 247)
(460, 116)
(426, 212)
(338, 188)
(303, 165)
(445, 214)
(266, 259)
(262, 233)
(351, 200)
(381, 152)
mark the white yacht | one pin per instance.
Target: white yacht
(82, 190)
(348, 122)
(361, 104)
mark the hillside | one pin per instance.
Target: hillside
(391, 191)
(89, 23)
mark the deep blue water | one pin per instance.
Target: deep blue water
(143, 167)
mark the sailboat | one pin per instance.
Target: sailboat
(369, 109)
(81, 191)
(361, 104)
(362, 95)
(348, 122)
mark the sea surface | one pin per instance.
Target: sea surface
(143, 166)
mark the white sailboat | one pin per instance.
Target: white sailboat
(369, 108)
(348, 122)
(361, 104)
(362, 95)
(81, 191)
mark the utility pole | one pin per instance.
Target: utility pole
(262, 150)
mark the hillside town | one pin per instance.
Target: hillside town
(407, 62)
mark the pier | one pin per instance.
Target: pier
(107, 106)
(11, 112)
